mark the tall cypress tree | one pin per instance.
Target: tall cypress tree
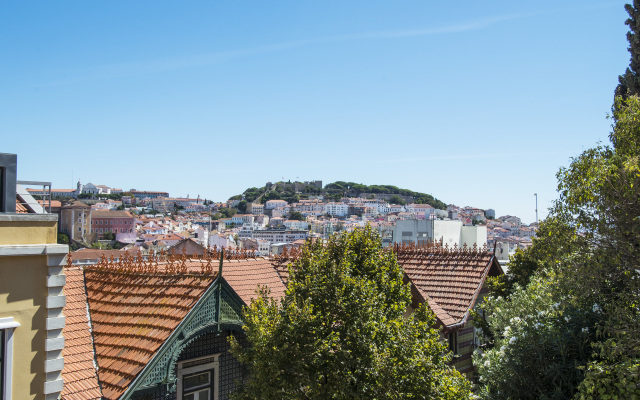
(629, 83)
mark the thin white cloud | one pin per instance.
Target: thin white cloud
(481, 156)
(169, 64)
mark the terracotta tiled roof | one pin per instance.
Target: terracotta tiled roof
(54, 203)
(449, 280)
(79, 373)
(75, 204)
(20, 208)
(87, 254)
(283, 271)
(247, 276)
(111, 214)
(132, 315)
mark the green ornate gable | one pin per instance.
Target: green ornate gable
(218, 310)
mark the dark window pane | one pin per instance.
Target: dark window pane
(196, 380)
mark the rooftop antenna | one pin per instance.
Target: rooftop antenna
(536, 194)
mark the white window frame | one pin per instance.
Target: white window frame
(8, 325)
(214, 365)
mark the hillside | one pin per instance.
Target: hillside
(293, 192)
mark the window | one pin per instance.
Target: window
(7, 325)
(198, 378)
(453, 342)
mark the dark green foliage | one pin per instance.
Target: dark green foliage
(109, 236)
(629, 83)
(296, 216)
(340, 189)
(63, 238)
(554, 240)
(242, 207)
(340, 333)
(396, 199)
(585, 261)
(272, 195)
(224, 213)
(540, 339)
(333, 192)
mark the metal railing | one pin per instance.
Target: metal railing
(46, 194)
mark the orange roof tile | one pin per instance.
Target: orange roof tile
(54, 203)
(132, 315)
(449, 280)
(111, 214)
(247, 276)
(20, 208)
(79, 373)
(88, 254)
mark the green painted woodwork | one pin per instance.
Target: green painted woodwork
(208, 315)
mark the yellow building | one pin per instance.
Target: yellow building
(31, 297)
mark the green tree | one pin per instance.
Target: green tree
(242, 207)
(297, 216)
(585, 261)
(396, 199)
(109, 236)
(340, 331)
(63, 238)
(599, 197)
(629, 82)
(228, 212)
(540, 340)
(554, 240)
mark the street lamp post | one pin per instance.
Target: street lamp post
(536, 194)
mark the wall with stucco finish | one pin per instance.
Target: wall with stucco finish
(28, 229)
(23, 296)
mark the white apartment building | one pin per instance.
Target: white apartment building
(395, 208)
(240, 219)
(255, 208)
(275, 235)
(271, 204)
(337, 209)
(421, 209)
(294, 224)
(448, 231)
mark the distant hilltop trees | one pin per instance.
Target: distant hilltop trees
(292, 192)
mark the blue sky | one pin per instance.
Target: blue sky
(477, 103)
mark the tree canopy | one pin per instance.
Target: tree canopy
(333, 192)
(340, 331)
(297, 216)
(567, 315)
(629, 82)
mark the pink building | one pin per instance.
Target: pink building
(121, 223)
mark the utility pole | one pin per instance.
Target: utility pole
(536, 194)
